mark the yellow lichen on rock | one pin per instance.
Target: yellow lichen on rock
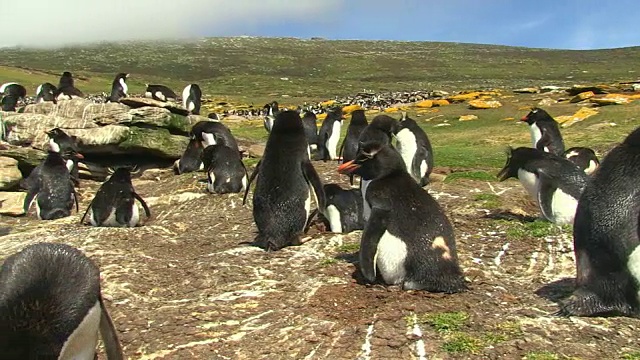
(582, 96)
(440, 102)
(580, 115)
(467, 117)
(611, 99)
(424, 104)
(391, 109)
(508, 119)
(351, 108)
(482, 104)
(321, 116)
(327, 103)
(464, 97)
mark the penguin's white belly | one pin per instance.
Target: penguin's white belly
(633, 264)
(423, 168)
(160, 95)
(333, 214)
(111, 220)
(592, 167)
(185, 95)
(390, 257)
(148, 94)
(366, 209)
(407, 147)
(530, 182)
(81, 345)
(125, 88)
(38, 91)
(536, 134)
(268, 123)
(191, 106)
(208, 139)
(307, 208)
(332, 142)
(244, 183)
(69, 165)
(563, 206)
(210, 181)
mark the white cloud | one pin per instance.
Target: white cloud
(46, 23)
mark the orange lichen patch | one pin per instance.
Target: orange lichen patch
(424, 104)
(391, 110)
(481, 104)
(464, 97)
(611, 99)
(351, 108)
(580, 115)
(507, 119)
(582, 96)
(440, 102)
(439, 243)
(321, 116)
(327, 103)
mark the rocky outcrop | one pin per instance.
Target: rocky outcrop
(10, 175)
(11, 203)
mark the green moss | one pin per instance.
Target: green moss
(462, 343)
(489, 201)
(328, 261)
(446, 321)
(541, 355)
(633, 355)
(349, 247)
(536, 229)
(158, 139)
(179, 122)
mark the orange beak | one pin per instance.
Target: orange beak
(79, 156)
(524, 118)
(348, 167)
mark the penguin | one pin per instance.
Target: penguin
(585, 158)
(214, 117)
(414, 146)
(191, 98)
(606, 238)
(329, 135)
(9, 102)
(225, 171)
(160, 93)
(545, 132)
(67, 145)
(52, 189)
(286, 179)
(191, 158)
(13, 89)
(349, 146)
(119, 88)
(66, 80)
(46, 92)
(408, 240)
(66, 89)
(555, 182)
(115, 202)
(309, 121)
(212, 133)
(51, 306)
(344, 209)
(271, 110)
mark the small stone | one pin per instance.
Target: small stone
(482, 104)
(546, 102)
(527, 90)
(467, 117)
(11, 203)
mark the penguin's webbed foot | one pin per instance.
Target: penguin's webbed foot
(587, 303)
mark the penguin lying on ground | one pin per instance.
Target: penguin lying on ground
(606, 237)
(329, 135)
(349, 147)
(190, 160)
(545, 132)
(119, 88)
(13, 89)
(66, 88)
(51, 306)
(115, 202)
(555, 182)
(192, 98)
(225, 171)
(46, 92)
(585, 158)
(212, 133)
(271, 110)
(344, 209)
(286, 178)
(9, 103)
(414, 146)
(408, 239)
(52, 189)
(160, 93)
(309, 121)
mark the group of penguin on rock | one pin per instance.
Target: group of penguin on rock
(407, 238)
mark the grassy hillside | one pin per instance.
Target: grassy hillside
(262, 68)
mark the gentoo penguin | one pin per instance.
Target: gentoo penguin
(115, 202)
(545, 133)
(52, 189)
(9, 102)
(13, 89)
(286, 179)
(585, 158)
(51, 306)
(191, 158)
(408, 239)
(414, 146)
(606, 237)
(66, 89)
(46, 92)
(271, 110)
(119, 88)
(212, 133)
(329, 135)
(225, 171)
(309, 121)
(349, 147)
(160, 93)
(191, 98)
(555, 182)
(344, 209)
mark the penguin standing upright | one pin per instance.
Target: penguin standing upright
(115, 202)
(225, 171)
(191, 98)
(414, 146)
(408, 239)
(286, 178)
(606, 237)
(160, 93)
(344, 209)
(66, 145)
(52, 189)
(119, 88)
(190, 160)
(585, 158)
(309, 121)
(46, 92)
(329, 135)
(212, 133)
(555, 182)
(349, 147)
(66, 88)
(545, 132)
(271, 110)
(51, 306)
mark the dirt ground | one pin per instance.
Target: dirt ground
(185, 287)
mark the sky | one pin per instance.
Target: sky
(559, 24)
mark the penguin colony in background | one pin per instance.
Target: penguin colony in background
(407, 238)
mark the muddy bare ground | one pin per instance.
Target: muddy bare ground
(185, 287)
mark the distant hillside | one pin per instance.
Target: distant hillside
(271, 67)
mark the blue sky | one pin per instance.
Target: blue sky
(565, 24)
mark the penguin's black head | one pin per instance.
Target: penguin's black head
(358, 117)
(306, 114)
(405, 122)
(331, 190)
(385, 123)
(335, 113)
(535, 115)
(121, 174)
(67, 145)
(373, 161)
(516, 160)
(122, 76)
(9, 102)
(287, 121)
(66, 79)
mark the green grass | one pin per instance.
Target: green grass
(541, 355)
(471, 175)
(462, 343)
(348, 248)
(446, 321)
(634, 355)
(328, 261)
(534, 229)
(489, 201)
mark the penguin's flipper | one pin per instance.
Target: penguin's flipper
(312, 178)
(251, 178)
(108, 333)
(373, 231)
(341, 151)
(545, 140)
(86, 212)
(75, 198)
(31, 194)
(548, 186)
(147, 211)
